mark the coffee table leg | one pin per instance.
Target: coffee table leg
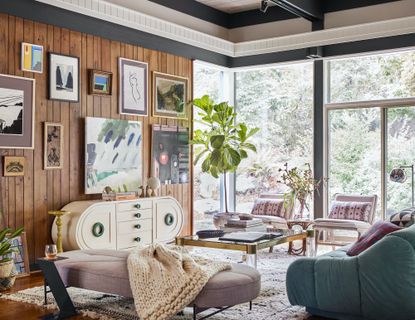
(252, 260)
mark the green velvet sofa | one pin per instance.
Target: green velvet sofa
(377, 284)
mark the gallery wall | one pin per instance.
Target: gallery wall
(26, 200)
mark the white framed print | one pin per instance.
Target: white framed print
(63, 77)
(133, 88)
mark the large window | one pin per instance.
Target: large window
(366, 140)
(278, 100)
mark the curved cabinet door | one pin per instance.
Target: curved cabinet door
(97, 228)
(168, 220)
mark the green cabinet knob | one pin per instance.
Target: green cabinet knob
(137, 226)
(98, 229)
(137, 206)
(169, 219)
(138, 239)
(137, 215)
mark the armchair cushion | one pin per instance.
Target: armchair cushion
(405, 218)
(370, 237)
(270, 207)
(350, 210)
(341, 224)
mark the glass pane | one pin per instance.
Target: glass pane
(382, 76)
(354, 152)
(207, 80)
(400, 152)
(278, 100)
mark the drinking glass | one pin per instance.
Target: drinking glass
(51, 251)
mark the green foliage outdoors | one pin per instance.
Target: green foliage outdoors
(5, 236)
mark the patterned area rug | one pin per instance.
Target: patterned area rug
(271, 304)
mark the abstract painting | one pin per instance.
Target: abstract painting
(16, 112)
(169, 96)
(170, 154)
(133, 77)
(20, 255)
(53, 146)
(100, 82)
(63, 77)
(113, 155)
(32, 57)
(14, 166)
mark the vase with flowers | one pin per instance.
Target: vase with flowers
(302, 185)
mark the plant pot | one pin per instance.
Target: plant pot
(6, 269)
(8, 282)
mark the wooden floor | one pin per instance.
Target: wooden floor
(10, 310)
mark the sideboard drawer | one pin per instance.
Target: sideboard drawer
(132, 226)
(133, 239)
(134, 215)
(134, 205)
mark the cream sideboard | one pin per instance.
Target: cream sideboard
(119, 224)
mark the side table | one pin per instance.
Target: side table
(58, 289)
(304, 224)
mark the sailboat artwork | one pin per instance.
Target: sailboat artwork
(63, 78)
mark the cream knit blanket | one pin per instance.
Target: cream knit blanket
(164, 280)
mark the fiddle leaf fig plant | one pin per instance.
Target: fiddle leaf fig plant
(5, 237)
(221, 145)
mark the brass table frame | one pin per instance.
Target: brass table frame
(250, 249)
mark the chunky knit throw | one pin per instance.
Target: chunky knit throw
(164, 280)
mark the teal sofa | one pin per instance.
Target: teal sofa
(377, 284)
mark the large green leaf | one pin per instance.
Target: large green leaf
(217, 141)
(3, 233)
(215, 157)
(17, 232)
(206, 164)
(199, 155)
(249, 146)
(232, 156)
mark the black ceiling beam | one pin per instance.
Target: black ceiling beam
(307, 9)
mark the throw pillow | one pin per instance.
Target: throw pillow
(350, 210)
(405, 218)
(371, 236)
(270, 207)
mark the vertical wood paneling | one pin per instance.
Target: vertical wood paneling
(26, 200)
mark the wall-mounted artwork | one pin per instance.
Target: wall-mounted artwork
(14, 166)
(169, 96)
(170, 154)
(113, 155)
(20, 255)
(53, 146)
(32, 57)
(17, 107)
(63, 78)
(100, 82)
(133, 77)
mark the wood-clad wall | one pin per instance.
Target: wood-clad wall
(27, 199)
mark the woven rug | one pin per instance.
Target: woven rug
(271, 304)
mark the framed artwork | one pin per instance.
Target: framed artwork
(100, 82)
(170, 154)
(133, 96)
(53, 146)
(113, 155)
(63, 77)
(17, 112)
(21, 255)
(169, 96)
(14, 166)
(32, 57)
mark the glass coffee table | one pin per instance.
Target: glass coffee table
(250, 249)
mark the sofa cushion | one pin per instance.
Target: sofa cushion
(404, 218)
(370, 237)
(350, 210)
(270, 207)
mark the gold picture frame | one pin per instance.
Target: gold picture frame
(100, 82)
(53, 146)
(14, 166)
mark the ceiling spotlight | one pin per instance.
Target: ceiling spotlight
(264, 6)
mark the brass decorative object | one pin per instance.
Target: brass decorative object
(58, 214)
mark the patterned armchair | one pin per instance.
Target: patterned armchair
(347, 213)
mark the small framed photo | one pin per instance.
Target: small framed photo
(20, 255)
(133, 88)
(53, 146)
(14, 166)
(17, 112)
(32, 57)
(100, 82)
(63, 78)
(170, 96)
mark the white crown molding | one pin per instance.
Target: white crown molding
(133, 19)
